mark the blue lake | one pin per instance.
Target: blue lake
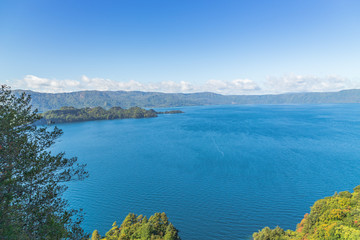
(219, 172)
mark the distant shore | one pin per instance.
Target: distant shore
(72, 114)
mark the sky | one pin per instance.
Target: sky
(222, 46)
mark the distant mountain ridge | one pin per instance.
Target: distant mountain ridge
(108, 99)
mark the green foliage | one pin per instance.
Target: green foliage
(139, 227)
(31, 204)
(171, 232)
(113, 233)
(270, 234)
(336, 217)
(71, 114)
(95, 235)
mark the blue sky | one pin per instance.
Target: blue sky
(224, 46)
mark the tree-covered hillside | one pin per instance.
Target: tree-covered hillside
(157, 227)
(71, 114)
(336, 217)
(108, 99)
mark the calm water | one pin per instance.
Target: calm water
(219, 172)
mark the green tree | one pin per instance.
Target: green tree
(270, 234)
(31, 203)
(139, 227)
(95, 235)
(145, 231)
(129, 226)
(330, 218)
(171, 233)
(113, 233)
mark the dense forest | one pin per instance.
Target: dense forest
(336, 217)
(124, 99)
(71, 114)
(157, 227)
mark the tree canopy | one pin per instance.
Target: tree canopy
(336, 217)
(157, 227)
(32, 178)
(71, 114)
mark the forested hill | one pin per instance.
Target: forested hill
(108, 99)
(157, 227)
(71, 114)
(336, 217)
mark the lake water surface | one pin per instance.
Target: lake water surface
(219, 172)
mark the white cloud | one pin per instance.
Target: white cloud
(236, 86)
(46, 85)
(288, 83)
(298, 83)
(31, 82)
